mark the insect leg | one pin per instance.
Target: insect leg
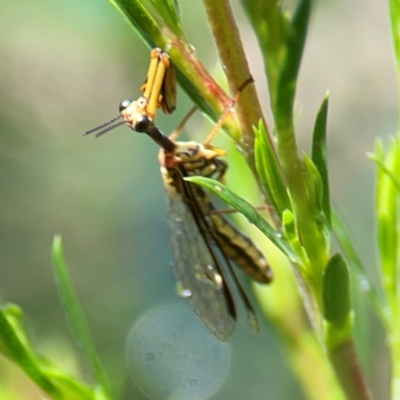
(153, 90)
(225, 114)
(174, 135)
(151, 72)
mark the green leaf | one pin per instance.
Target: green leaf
(336, 291)
(289, 226)
(151, 17)
(269, 170)
(281, 39)
(336, 300)
(15, 345)
(315, 185)
(286, 88)
(271, 26)
(385, 170)
(319, 156)
(344, 238)
(290, 231)
(248, 211)
(74, 310)
(141, 19)
(395, 20)
(169, 10)
(387, 198)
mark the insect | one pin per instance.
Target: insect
(196, 231)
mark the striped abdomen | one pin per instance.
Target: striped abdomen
(239, 248)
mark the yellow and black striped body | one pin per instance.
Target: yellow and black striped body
(193, 159)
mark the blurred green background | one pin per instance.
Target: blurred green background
(64, 68)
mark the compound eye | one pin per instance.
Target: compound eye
(124, 104)
(143, 124)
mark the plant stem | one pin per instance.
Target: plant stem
(301, 345)
(394, 348)
(304, 202)
(395, 356)
(345, 362)
(304, 349)
(236, 68)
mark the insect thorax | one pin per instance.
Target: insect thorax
(194, 159)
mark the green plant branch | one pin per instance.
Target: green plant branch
(231, 53)
(233, 59)
(345, 362)
(299, 185)
(394, 344)
(338, 324)
(303, 187)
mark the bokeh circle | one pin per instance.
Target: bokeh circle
(171, 355)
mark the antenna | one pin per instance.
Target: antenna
(104, 125)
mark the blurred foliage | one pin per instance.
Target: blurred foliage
(65, 67)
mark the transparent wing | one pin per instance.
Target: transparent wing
(196, 268)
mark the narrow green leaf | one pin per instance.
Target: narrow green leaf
(151, 17)
(281, 39)
(315, 186)
(344, 238)
(70, 388)
(336, 299)
(269, 170)
(373, 157)
(270, 24)
(74, 310)
(248, 211)
(100, 394)
(319, 156)
(14, 344)
(286, 89)
(141, 19)
(395, 20)
(336, 291)
(289, 226)
(290, 232)
(387, 198)
(169, 10)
